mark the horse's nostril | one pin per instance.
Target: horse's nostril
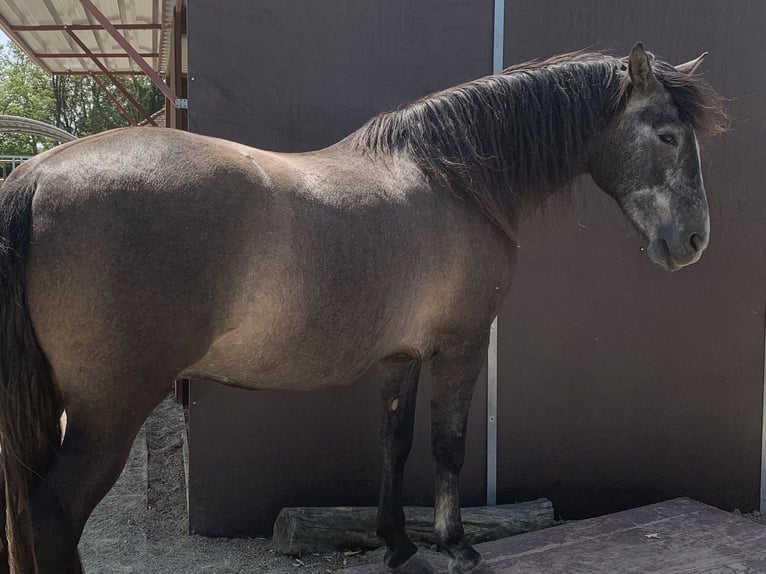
(696, 242)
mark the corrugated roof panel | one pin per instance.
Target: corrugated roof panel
(101, 41)
(167, 36)
(75, 65)
(185, 54)
(41, 21)
(49, 42)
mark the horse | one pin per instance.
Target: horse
(135, 257)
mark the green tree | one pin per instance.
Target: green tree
(24, 91)
(74, 103)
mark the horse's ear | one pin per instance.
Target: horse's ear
(640, 68)
(691, 66)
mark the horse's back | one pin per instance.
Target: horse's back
(162, 247)
(157, 247)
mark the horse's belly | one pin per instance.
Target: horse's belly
(284, 363)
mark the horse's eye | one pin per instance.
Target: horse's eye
(668, 139)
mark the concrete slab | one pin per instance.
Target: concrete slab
(680, 536)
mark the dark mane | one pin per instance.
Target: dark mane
(524, 129)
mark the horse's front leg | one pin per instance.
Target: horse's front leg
(454, 372)
(398, 396)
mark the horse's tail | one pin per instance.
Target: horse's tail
(30, 429)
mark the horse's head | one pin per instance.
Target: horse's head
(648, 157)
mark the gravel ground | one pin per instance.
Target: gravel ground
(755, 516)
(141, 527)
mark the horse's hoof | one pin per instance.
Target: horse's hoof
(481, 568)
(417, 564)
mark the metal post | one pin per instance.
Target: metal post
(492, 416)
(178, 28)
(499, 39)
(497, 67)
(125, 45)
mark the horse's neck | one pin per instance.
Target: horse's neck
(504, 141)
(555, 116)
(551, 119)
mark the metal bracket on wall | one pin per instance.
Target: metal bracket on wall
(182, 103)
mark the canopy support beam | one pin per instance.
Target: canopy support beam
(112, 97)
(135, 56)
(111, 77)
(64, 55)
(79, 27)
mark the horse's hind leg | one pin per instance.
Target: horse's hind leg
(454, 373)
(398, 396)
(95, 448)
(4, 565)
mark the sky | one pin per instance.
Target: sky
(3, 38)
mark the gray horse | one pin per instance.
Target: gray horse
(134, 257)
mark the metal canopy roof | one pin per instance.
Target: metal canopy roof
(16, 124)
(58, 34)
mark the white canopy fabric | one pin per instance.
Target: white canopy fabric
(16, 124)
(38, 27)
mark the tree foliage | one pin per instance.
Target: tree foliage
(74, 103)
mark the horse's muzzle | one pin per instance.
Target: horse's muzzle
(673, 248)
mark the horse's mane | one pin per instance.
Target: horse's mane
(526, 128)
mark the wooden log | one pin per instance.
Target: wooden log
(305, 530)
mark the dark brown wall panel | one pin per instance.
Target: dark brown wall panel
(301, 74)
(295, 76)
(253, 453)
(621, 384)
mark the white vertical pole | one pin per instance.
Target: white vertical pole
(492, 416)
(497, 67)
(499, 37)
